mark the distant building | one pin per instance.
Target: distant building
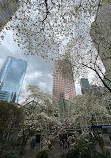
(63, 87)
(12, 74)
(84, 85)
(103, 124)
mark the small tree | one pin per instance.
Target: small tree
(86, 110)
(39, 114)
(11, 118)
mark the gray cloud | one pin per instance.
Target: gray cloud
(39, 72)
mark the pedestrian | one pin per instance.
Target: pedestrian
(60, 143)
(65, 143)
(49, 144)
(73, 138)
(33, 143)
(68, 140)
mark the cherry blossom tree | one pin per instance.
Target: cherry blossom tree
(87, 107)
(39, 109)
(51, 28)
(11, 119)
(45, 27)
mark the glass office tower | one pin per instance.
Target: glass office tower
(11, 76)
(84, 85)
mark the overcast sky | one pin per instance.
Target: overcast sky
(39, 72)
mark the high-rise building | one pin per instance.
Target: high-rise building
(102, 38)
(4, 95)
(63, 87)
(84, 85)
(7, 10)
(11, 76)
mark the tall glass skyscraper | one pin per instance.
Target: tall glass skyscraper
(12, 74)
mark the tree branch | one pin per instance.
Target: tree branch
(47, 11)
(98, 76)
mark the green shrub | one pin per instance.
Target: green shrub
(42, 154)
(85, 154)
(88, 154)
(8, 154)
(75, 153)
(84, 148)
(63, 156)
(11, 155)
(72, 154)
(109, 156)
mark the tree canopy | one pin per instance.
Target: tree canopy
(88, 109)
(39, 109)
(11, 118)
(51, 29)
(45, 27)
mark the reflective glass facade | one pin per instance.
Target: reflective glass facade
(4, 96)
(84, 85)
(11, 76)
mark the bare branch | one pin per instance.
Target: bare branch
(47, 11)
(98, 76)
